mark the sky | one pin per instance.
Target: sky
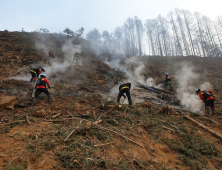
(56, 15)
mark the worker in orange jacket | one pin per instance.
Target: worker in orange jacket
(207, 97)
(41, 87)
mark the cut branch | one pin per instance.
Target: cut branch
(100, 127)
(56, 115)
(104, 113)
(13, 159)
(167, 128)
(204, 127)
(198, 115)
(27, 119)
(105, 144)
(73, 131)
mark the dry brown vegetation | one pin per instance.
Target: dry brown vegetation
(82, 130)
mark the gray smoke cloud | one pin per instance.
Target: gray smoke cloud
(188, 82)
(54, 66)
(133, 68)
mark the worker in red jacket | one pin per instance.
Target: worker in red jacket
(35, 73)
(41, 87)
(51, 54)
(124, 88)
(207, 97)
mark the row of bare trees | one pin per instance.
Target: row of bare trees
(181, 33)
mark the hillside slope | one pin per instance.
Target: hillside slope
(84, 128)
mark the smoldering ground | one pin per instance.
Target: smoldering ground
(53, 66)
(188, 81)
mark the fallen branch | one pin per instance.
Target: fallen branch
(69, 113)
(167, 128)
(13, 122)
(13, 159)
(104, 113)
(27, 119)
(15, 133)
(197, 115)
(2, 155)
(73, 131)
(103, 128)
(100, 127)
(56, 115)
(105, 144)
(97, 122)
(204, 127)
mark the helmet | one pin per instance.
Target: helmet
(43, 75)
(197, 91)
(166, 74)
(43, 69)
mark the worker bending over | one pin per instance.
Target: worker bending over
(124, 88)
(207, 97)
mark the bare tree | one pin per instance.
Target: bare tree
(190, 28)
(139, 31)
(177, 40)
(94, 36)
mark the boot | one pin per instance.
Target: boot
(33, 101)
(207, 111)
(213, 111)
(49, 98)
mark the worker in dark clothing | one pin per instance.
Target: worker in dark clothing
(207, 97)
(51, 54)
(167, 82)
(76, 57)
(41, 87)
(35, 73)
(124, 88)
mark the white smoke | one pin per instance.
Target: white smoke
(133, 69)
(206, 86)
(55, 66)
(187, 84)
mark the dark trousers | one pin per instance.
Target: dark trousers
(34, 76)
(168, 84)
(210, 103)
(121, 93)
(75, 58)
(40, 90)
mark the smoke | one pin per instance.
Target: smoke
(54, 66)
(150, 82)
(133, 68)
(206, 86)
(188, 82)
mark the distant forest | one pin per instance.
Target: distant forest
(181, 33)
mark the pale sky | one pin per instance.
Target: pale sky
(56, 15)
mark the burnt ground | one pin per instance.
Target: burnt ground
(155, 132)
